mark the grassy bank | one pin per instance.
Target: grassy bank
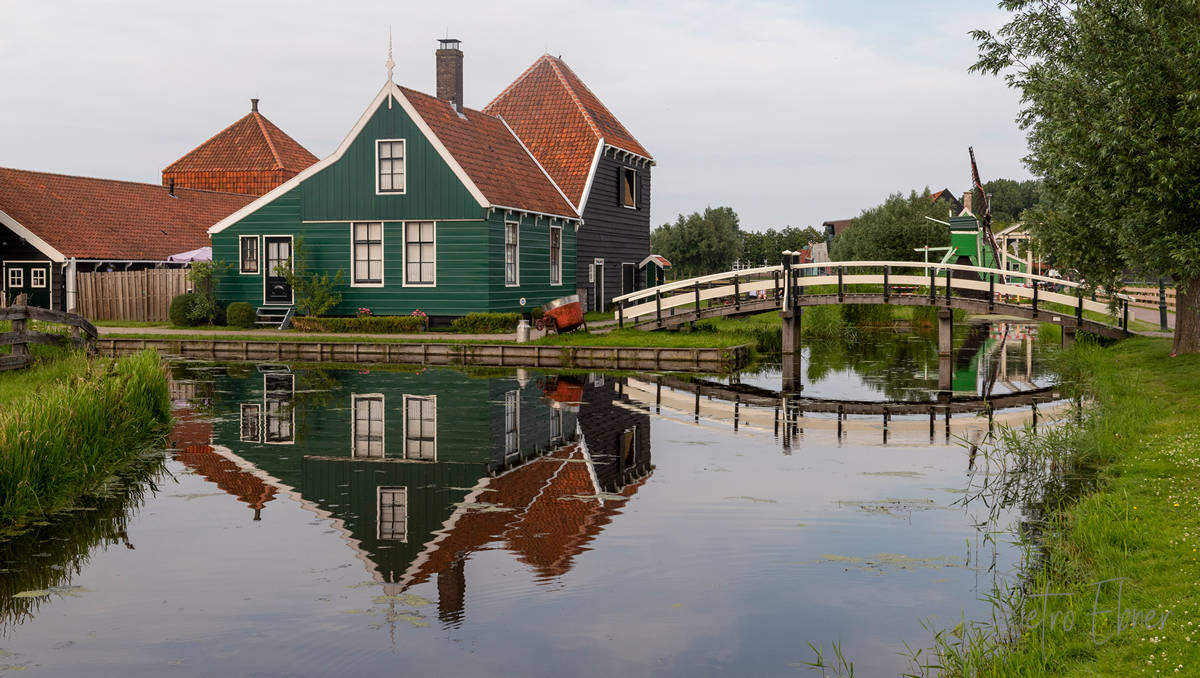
(69, 422)
(1109, 507)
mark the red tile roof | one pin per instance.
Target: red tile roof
(252, 155)
(491, 156)
(561, 121)
(107, 219)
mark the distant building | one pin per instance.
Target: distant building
(832, 228)
(251, 156)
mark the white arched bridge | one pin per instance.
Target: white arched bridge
(790, 288)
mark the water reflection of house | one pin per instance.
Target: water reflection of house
(191, 439)
(419, 470)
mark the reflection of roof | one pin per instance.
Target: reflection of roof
(562, 122)
(545, 511)
(191, 438)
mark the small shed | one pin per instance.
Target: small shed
(655, 267)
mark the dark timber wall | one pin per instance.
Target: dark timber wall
(610, 230)
(15, 248)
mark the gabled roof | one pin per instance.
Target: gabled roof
(562, 122)
(251, 143)
(492, 156)
(480, 149)
(67, 216)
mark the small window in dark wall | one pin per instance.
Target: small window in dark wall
(627, 187)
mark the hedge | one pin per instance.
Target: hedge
(486, 323)
(375, 324)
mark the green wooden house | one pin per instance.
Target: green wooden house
(425, 205)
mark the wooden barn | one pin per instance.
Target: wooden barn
(600, 166)
(426, 204)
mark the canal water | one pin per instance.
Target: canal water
(313, 522)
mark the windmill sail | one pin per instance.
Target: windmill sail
(985, 222)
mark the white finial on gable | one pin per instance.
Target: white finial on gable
(390, 63)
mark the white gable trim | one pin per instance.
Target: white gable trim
(42, 246)
(539, 165)
(388, 92)
(587, 188)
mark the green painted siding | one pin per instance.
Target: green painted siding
(346, 189)
(470, 240)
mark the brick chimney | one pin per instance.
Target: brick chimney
(450, 72)
(968, 198)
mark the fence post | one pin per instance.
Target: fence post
(947, 287)
(887, 286)
(1078, 306)
(621, 315)
(697, 289)
(841, 285)
(775, 280)
(932, 286)
(737, 293)
(1126, 314)
(991, 293)
(1035, 298)
(1162, 305)
(658, 306)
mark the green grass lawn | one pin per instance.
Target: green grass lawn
(1136, 528)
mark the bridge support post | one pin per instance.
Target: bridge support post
(792, 322)
(945, 377)
(1068, 335)
(945, 331)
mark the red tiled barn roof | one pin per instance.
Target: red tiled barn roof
(250, 156)
(106, 219)
(561, 121)
(491, 156)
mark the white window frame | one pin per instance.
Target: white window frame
(258, 255)
(33, 279)
(394, 191)
(432, 399)
(16, 277)
(633, 188)
(404, 266)
(258, 423)
(556, 280)
(355, 398)
(516, 256)
(379, 512)
(382, 255)
(512, 407)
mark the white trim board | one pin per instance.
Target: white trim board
(389, 90)
(587, 188)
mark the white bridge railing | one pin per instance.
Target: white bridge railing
(771, 282)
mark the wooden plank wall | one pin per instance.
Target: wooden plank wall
(143, 296)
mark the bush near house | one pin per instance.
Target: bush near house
(240, 314)
(486, 323)
(384, 324)
(180, 312)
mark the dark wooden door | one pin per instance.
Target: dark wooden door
(276, 289)
(628, 278)
(27, 277)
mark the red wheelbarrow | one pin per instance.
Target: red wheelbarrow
(562, 315)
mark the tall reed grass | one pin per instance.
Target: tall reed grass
(67, 425)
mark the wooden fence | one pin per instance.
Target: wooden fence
(82, 333)
(1148, 297)
(130, 295)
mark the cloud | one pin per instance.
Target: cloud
(791, 113)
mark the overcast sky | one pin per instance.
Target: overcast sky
(789, 112)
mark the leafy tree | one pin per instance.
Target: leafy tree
(890, 232)
(204, 275)
(1110, 98)
(700, 243)
(760, 246)
(1010, 198)
(314, 292)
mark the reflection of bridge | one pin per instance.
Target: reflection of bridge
(790, 288)
(785, 415)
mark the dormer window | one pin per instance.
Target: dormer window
(629, 187)
(389, 166)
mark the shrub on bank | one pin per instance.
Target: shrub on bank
(180, 313)
(90, 417)
(367, 324)
(486, 323)
(240, 314)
